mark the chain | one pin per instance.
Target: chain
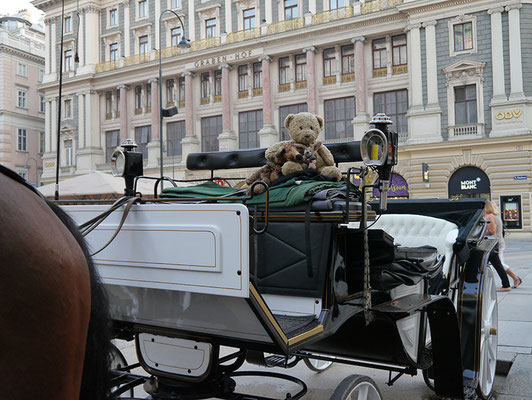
(368, 314)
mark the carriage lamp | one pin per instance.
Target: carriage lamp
(373, 147)
(128, 164)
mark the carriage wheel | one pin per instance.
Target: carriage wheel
(317, 365)
(357, 387)
(119, 361)
(488, 334)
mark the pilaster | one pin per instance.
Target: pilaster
(190, 143)
(414, 67)
(361, 120)
(267, 134)
(123, 112)
(497, 58)
(127, 46)
(227, 139)
(311, 79)
(516, 65)
(88, 157)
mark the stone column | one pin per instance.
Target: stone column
(414, 67)
(92, 154)
(154, 147)
(311, 79)
(227, 139)
(432, 67)
(312, 6)
(123, 112)
(191, 22)
(53, 134)
(53, 45)
(228, 16)
(361, 121)
(268, 11)
(516, 65)
(92, 38)
(190, 143)
(126, 51)
(267, 135)
(47, 127)
(157, 12)
(497, 53)
(49, 157)
(47, 48)
(81, 39)
(82, 134)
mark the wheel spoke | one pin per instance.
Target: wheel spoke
(363, 392)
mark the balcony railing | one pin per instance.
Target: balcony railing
(170, 51)
(466, 131)
(399, 69)
(301, 85)
(217, 98)
(257, 92)
(379, 72)
(329, 80)
(204, 100)
(204, 43)
(378, 5)
(107, 66)
(403, 137)
(139, 59)
(242, 94)
(348, 77)
(332, 15)
(284, 87)
(243, 35)
(286, 25)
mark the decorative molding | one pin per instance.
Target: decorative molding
(19, 53)
(496, 10)
(91, 8)
(430, 23)
(413, 26)
(153, 80)
(463, 70)
(310, 48)
(223, 66)
(265, 57)
(358, 39)
(119, 87)
(188, 73)
(513, 7)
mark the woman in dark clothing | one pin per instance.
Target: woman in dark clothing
(494, 259)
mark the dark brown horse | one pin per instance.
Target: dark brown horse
(53, 313)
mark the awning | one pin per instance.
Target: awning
(469, 180)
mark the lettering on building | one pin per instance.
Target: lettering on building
(467, 185)
(508, 114)
(238, 56)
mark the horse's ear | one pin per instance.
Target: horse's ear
(320, 121)
(287, 120)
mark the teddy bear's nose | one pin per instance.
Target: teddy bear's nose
(299, 157)
(307, 136)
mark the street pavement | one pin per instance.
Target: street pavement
(514, 381)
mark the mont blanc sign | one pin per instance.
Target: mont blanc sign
(235, 57)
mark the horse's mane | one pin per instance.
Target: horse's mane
(96, 379)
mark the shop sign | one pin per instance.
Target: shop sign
(468, 180)
(398, 187)
(501, 115)
(237, 56)
(469, 184)
(520, 178)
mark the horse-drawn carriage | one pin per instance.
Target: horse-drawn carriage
(306, 271)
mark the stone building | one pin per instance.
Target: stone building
(452, 74)
(21, 103)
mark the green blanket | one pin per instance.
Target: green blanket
(291, 193)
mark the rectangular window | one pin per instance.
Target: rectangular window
(143, 8)
(112, 141)
(217, 83)
(205, 85)
(181, 90)
(301, 67)
(22, 99)
(143, 44)
(463, 36)
(379, 54)
(174, 4)
(243, 81)
(138, 98)
(399, 50)
(68, 60)
(108, 105)
(249, 18)
(42, 142)
(113, 17)
(284, 67)
(118, 102)
(41, 75)
(170, 91)
(210, 28)
(143, 137)
(257, 75)
(22, 140)
(290, 9)
(42, 106)
(339, 114)
(22, 69)
(148, 96)
(335, 4)
(69, 156)
(113, 52)
(348, 60)
(211, 127)
(68, 24)
(329, 62)
(68, 108)
(283, 113)
(395, 105)
(465, 105)
(175, 132)
(175, 35)
(249, 123)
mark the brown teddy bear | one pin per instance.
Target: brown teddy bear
(304, 129)
(309, 154)
(269, 173)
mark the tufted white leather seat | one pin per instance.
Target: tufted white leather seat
(417, 230)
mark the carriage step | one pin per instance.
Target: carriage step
(406, 304)
(295, 325)
(276, 361)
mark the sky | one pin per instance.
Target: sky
(12, 7)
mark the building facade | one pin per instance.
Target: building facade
(452, 74)
(21, 103)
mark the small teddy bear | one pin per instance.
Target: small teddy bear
(309, 154)
(304, 128)
(270, 172)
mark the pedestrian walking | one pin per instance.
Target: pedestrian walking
(502, 244)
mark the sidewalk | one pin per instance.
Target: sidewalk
(515, 322)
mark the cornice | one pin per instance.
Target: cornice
(430, 5)
(16, 52)
(496, 10)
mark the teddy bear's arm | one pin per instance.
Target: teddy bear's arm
(326, 155)
(270, 151)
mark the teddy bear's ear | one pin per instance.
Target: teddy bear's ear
(287, 120)
(280, 152)
(320, 121)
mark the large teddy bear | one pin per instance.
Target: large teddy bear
(304, 129)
